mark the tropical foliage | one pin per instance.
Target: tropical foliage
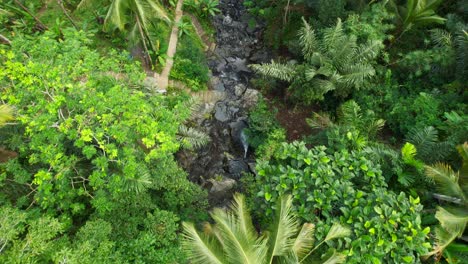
(453, 188)
(233, 238)
(93, 147)
(136, 17)
(334, 62)
(345, 186)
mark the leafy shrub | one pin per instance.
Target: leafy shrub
(262, 121)
(345, 186)
(190, 64)
(94, 146)
(415, 112)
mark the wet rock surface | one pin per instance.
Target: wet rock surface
(219, 165)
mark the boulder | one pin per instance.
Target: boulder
(221, 112)
(237, 167)
(251, 97)
(239, 89)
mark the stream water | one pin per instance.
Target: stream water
(219, 165)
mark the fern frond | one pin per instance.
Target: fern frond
(349, 113)
(308, 40)
(357, 74)
(192, 138)
(368, 51)
(333, 38)
(320, 120)
(283, 72)
(441, 38)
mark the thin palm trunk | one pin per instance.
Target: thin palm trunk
(163, 80)
(38, 21)
(60, 2)
(143, 40)
(4, 40)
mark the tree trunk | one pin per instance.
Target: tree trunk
(143, 40)
(60, 2)
(163, 80)
(38, 21)
(4, 40)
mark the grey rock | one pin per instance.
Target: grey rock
(239, 89)
(222, 186)
(221, 112)
(216, 84)
(251, 97)
(239, 65)
(227, 20)
(237, 167)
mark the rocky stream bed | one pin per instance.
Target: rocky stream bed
(219, 165)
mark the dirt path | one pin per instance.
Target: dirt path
(163, 78)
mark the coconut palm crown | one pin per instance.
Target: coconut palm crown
(232, 239)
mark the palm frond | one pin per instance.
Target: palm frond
(304, 240)
(200, 249)
(138, 183)
(337, 231)
(320, 120)
(116, 15)
(158, 10)
(6, 114)
(441, 38)
(446, 178)
(427, 143)
(368, 51)
(453, 221)
(308, 40)
(244, 221)
(357, 74)
(85, 3)
(283, 72)
(346, 52)
(321, 87)
(236, 245)
(335, 258)
(443, 239)
(283, 229)
(349, 113)
(192, 138)
(333, 38)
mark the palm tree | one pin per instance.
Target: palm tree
(416, 13)
(233, 239)
(453, 188)
(133, 16)
(335, 62)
